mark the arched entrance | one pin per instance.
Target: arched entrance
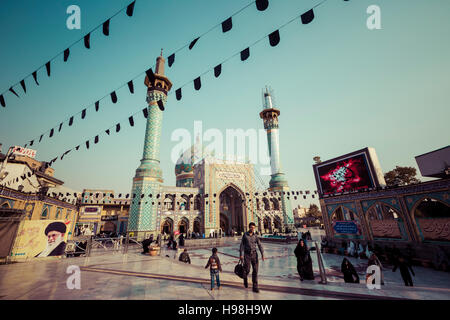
(197, 226)
(267, 226)
(277, 224)
(167, 226)
(183, 225)
(224, 223)
(385, 222)
(433, 220)
(231, 205)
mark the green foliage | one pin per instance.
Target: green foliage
(401, 176)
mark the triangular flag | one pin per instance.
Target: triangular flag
(97, 105)
(60, 126)
(262, 5)
(274, 38)
(130, 119)
(2, 101)
(178, 94)
(71, 121)
(197, 84)
(113, 97)
(83, 114)
(150, 75)
(217, 70)
(47, 66)
(35, 77)
(227, 25)
(12, 90)
(145, 111)
(245, 54)
(77, 147)
(106, 27)
(130, 9)
(87, 42)
(107, 131)
(41, 137)
(130, 86)
(22, 83)
(307, 17)
(96, 139)
(66, 54)
(31, 142)
(51, 133)
(118, 127)
(171, 59)
(161, 105)
(192, 44)
(87, 144)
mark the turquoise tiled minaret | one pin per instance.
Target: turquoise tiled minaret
(147, 181)
(278, 182)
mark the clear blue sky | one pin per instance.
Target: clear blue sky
(340, 87)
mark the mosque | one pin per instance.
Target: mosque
(211, 195)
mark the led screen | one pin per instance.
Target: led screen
(345, 175)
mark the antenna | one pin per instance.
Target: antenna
(268, 99)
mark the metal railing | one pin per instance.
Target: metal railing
(323, 275)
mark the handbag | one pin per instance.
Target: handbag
(239, 270)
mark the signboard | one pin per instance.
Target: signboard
(109, 218)
(91, 210)
(41, 238)
(346, 227)
(351, 172)
(24, 151)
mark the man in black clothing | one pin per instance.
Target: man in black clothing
(248, 253)
(184, 257)
(146, 243)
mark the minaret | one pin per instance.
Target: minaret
(143, 216)
(278, 182)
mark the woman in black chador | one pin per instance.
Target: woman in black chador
(304, 262)
(350, 274)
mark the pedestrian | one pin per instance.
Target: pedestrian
(373, 260)
(404, 267)
(158, 240)
(214, 268)
(350, 274)
(184, 257)
(248, 253)
(181, 240)
(351, 249)
(304, 262)
(145, 244)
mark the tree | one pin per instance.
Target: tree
(314, 211)
(401, 176)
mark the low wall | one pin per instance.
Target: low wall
(210, 242)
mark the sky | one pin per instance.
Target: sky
(340, 87)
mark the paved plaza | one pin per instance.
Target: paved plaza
(115, 275)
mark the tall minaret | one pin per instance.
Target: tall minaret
(278, 182)
(143, 216)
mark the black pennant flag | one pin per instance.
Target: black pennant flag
(197, 84)
(70, 121)
(130, 119)
(227, 25)
(192, 44)
(97, 105)
(2, 101)
(178, 94)
(41, 137)
(31, 142)
(113, 97)
(130, 9)
(145, 112)
(150, 75)
(51, 133)
(171, 59)
(66, 54)
(274, 38)
(118, 127)
(107, 131)
(262, 5)
(83, 114)
(130, 86)
(87, 42)
(60, 126)
(35, 77)
(308, 16)
(77, 147)
(161, 105)
(47, 66)
(106, 27)
(96, 139)
(87, 144)
(12, 90)
(217, 70)
(22, 83)
(245, 54)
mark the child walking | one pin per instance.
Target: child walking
(214, 268)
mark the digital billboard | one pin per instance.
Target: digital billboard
(351, 172)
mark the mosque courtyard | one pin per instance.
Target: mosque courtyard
(115, 275)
